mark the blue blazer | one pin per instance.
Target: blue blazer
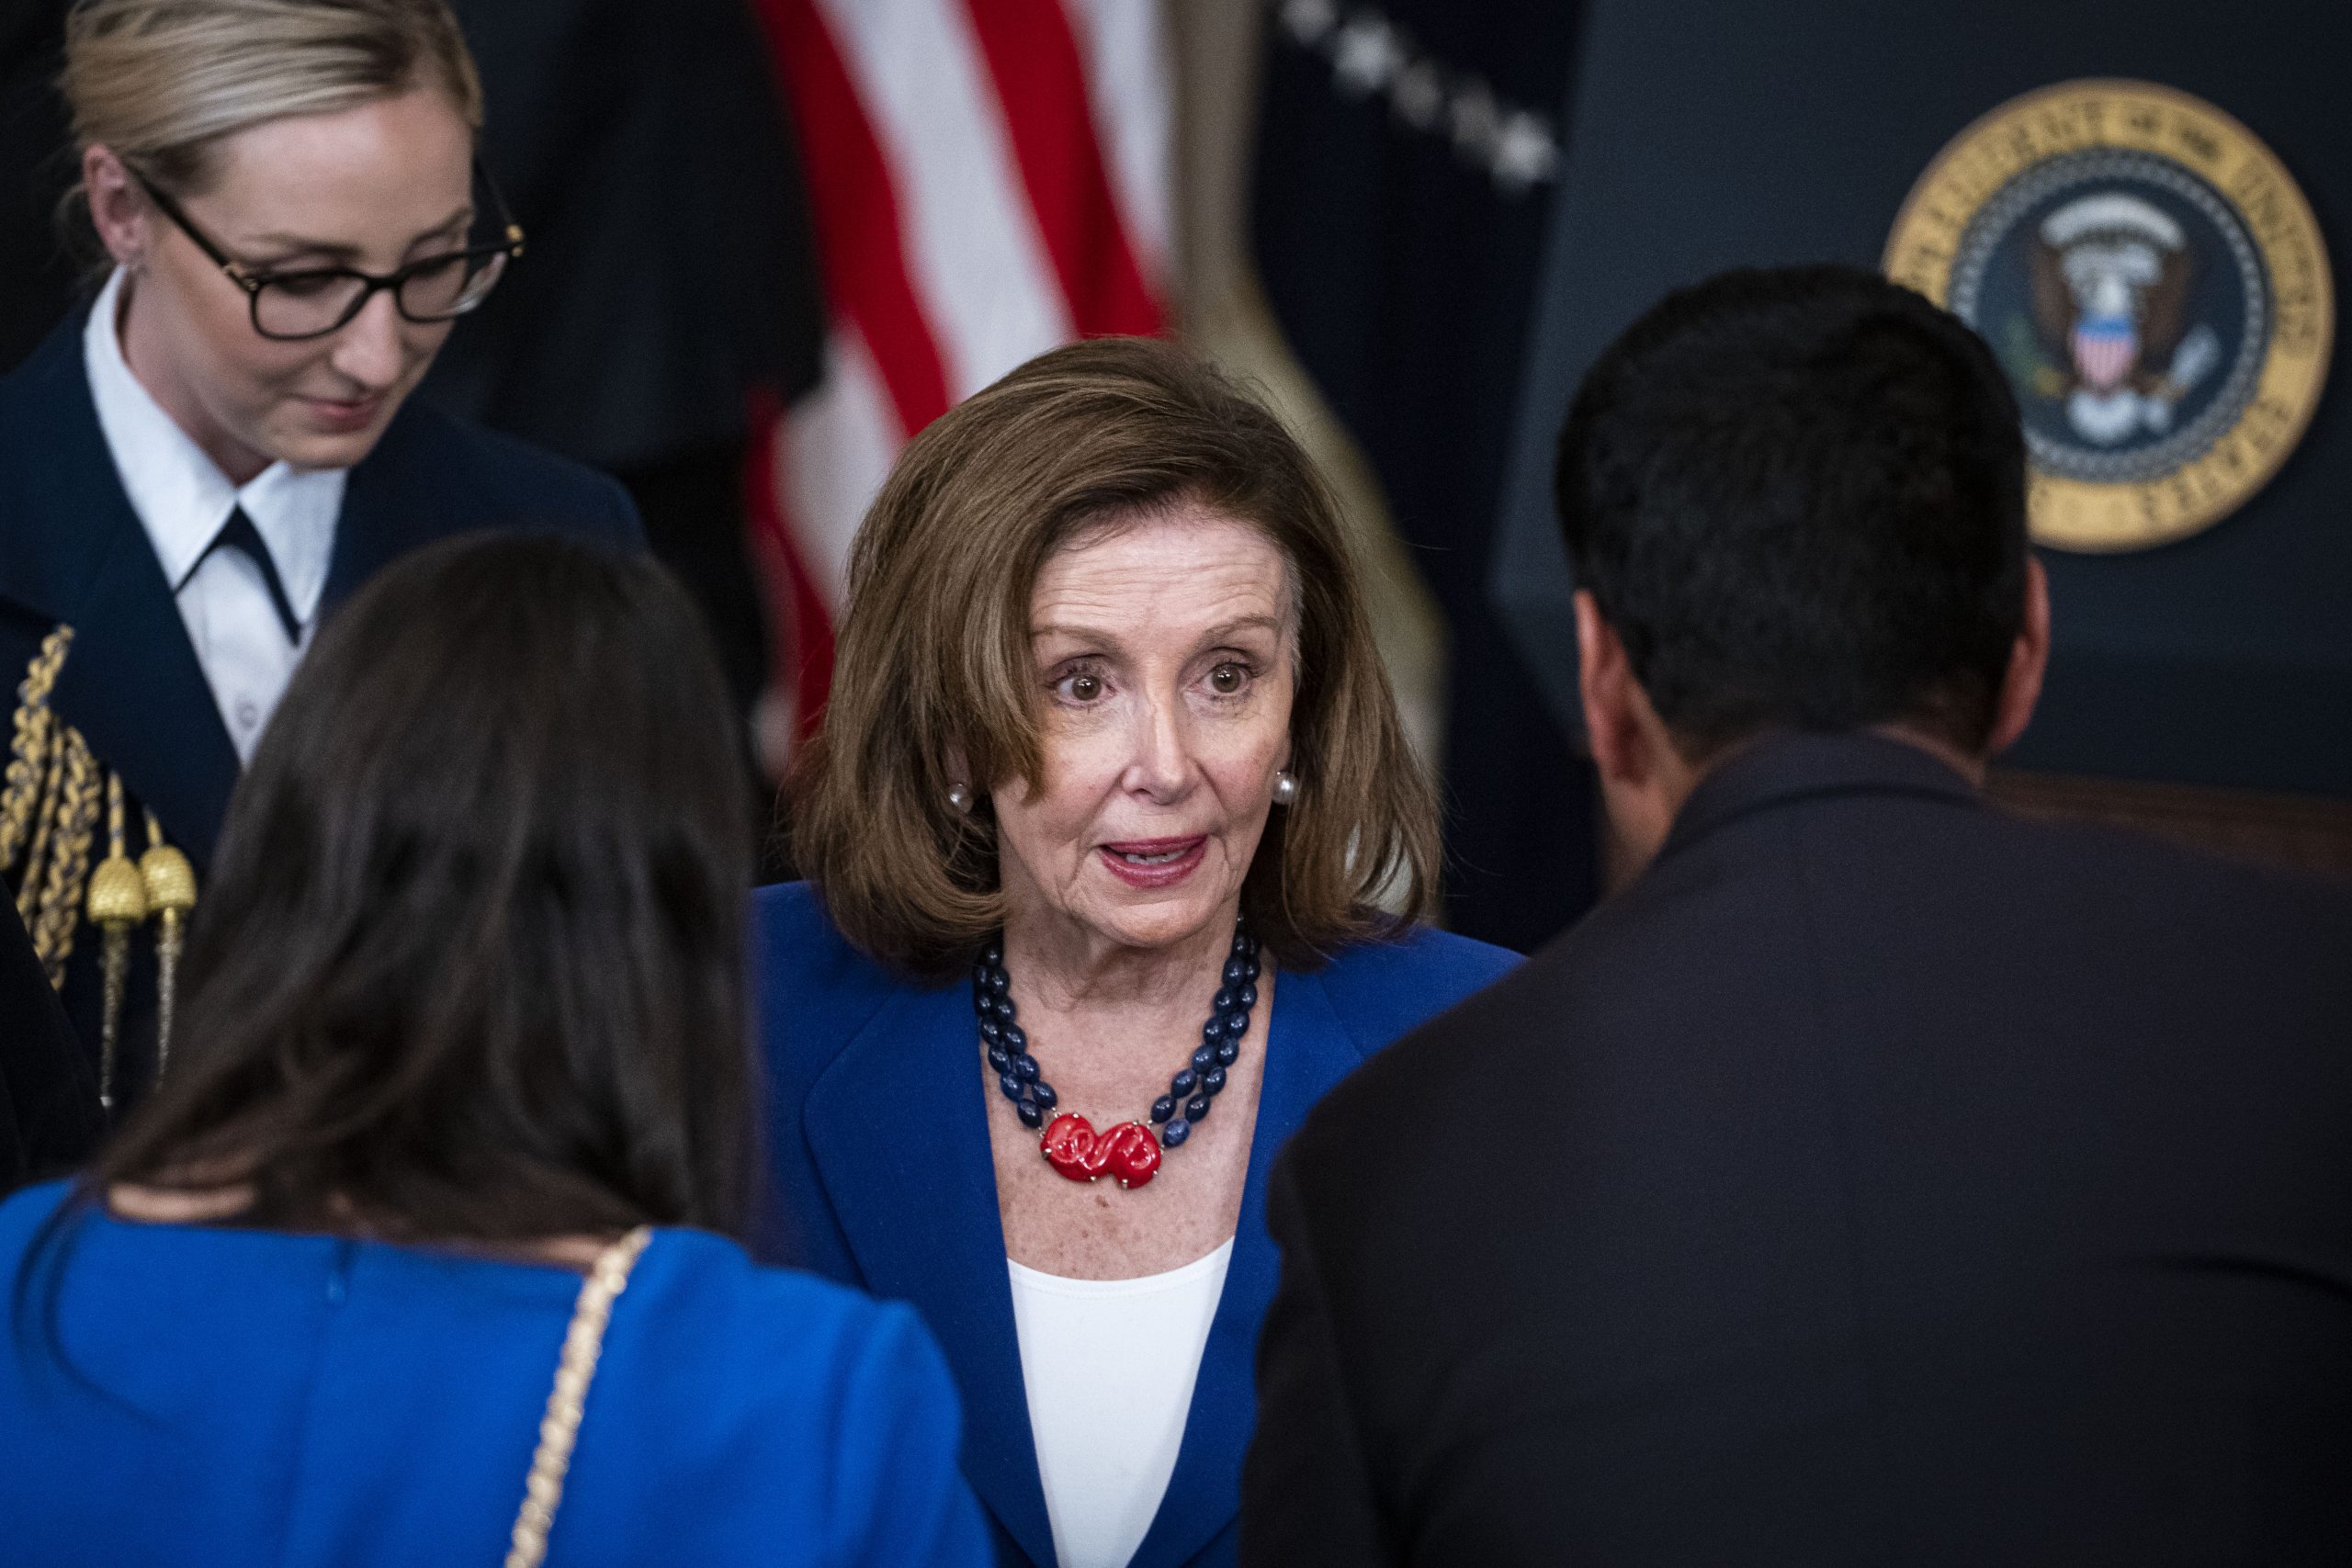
(879, 1144)
(186, 1395)
(73, 553)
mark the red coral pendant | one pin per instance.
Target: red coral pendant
(1127, 1152)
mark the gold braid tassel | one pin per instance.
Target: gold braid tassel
(28, 748)
(117, 902)
(74, 820)
(171, 896)
(52, 774)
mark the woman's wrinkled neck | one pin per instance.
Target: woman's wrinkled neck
(1066, 965)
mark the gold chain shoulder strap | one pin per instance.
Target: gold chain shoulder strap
(559, 1427)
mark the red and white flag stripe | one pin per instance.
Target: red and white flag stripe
(989, 178)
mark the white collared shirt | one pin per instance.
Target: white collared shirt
(182, 499)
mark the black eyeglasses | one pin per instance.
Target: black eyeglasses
(312, 301)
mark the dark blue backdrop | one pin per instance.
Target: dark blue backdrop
(1715, 133)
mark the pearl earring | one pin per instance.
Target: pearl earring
(960, 797)
(1285, 788)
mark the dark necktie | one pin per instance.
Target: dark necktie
(239, 533)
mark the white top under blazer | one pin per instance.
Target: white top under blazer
(1092, 1345)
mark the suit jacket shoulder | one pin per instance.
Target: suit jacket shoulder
(510, 477)
(49, 1106)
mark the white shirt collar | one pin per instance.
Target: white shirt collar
(181, 495)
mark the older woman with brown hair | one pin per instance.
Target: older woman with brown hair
(1106, 832)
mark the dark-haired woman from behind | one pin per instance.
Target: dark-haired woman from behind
(422, 1251)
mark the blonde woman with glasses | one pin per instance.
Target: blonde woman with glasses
(198, 466)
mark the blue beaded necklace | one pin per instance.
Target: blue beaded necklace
(1128, 1152)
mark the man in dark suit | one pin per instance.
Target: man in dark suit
(1881, 1179)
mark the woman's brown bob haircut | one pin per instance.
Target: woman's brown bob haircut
(934, 659)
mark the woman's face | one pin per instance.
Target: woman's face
(372, 187)
(1164, 657)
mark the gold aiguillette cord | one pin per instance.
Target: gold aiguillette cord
(117, 902)
(171, 896)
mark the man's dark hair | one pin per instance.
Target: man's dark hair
(1798, 496)
(470, 968)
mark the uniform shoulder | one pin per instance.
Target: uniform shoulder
(520, 476)
(22, 627)
(1382, 988)
(55, 476)
(55, 363)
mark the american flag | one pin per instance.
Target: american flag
(989, 179)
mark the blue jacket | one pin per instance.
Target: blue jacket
(187, 1395)
(73, 553)
(879, 1144)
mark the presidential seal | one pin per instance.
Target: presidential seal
(2154, 285)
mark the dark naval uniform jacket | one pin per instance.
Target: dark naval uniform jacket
(49, 1102)
(106, 685)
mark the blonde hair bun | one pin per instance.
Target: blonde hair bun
(159, 83)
